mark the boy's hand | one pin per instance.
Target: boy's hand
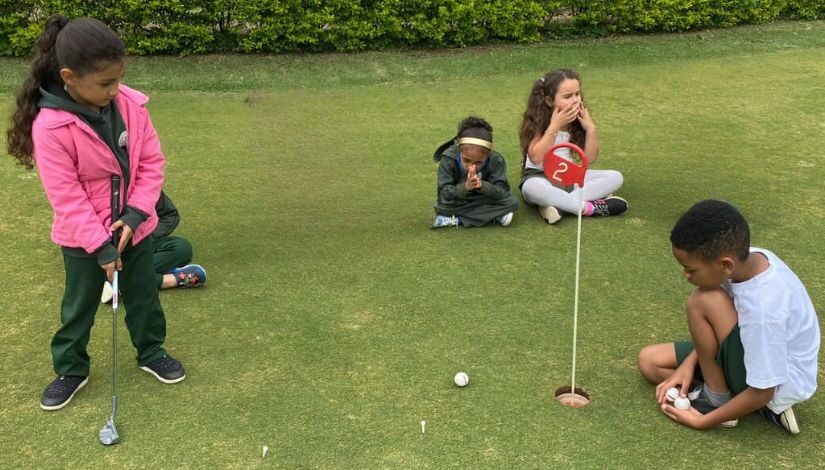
(681, 378)
(689, 417)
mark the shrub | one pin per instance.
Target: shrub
(198, 26)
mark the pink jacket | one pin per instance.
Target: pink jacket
(76, 166)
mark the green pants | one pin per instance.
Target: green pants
(170, 253)
(477, 210)
(731, 358)
(81, 299)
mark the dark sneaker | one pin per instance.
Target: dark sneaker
(61, 391)
(191, 275)
(445, 221)
(505, 220)
(611, 205)
(167, 369)
(699, 400)
(786, 419)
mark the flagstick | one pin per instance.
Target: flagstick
(576, 291)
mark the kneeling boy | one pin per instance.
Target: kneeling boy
(754, 331)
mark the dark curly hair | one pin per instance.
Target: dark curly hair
(710, 229)
(477, 127)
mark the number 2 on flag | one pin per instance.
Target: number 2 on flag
(565, 172)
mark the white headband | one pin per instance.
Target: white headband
(474, 141)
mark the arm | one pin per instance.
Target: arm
(147, 181)
(542, 143)
(750, 400)
(148, 176)
(71, 205)
(681, 378)
(168, 217)
(495, 185)
(561, 118)
(591, 137)
(450, 188)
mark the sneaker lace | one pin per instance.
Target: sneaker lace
(165, 363)
(600, 207)
(64, 383)
(443, 220)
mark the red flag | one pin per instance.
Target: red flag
(562, 171)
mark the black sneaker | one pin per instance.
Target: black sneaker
(786, 419)
(611, 205)
(167, 369)
(699, 400)
(61, 391)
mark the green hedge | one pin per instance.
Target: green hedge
(197, 26)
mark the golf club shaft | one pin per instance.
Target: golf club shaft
(116, 290)
(114, 346)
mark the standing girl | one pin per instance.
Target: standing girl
(472, 179)
(79, 126)
(555, 114)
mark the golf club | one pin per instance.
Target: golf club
(108, 433)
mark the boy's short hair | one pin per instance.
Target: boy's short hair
(711, 229)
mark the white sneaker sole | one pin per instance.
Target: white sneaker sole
(107, 294)
(788, 420)
(506, 219)
(550, 214)
(57, 407)
(166, 381)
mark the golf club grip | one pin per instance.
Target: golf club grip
(115, 205)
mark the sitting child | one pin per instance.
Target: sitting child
(755, 334)
(472, 180)
(170, 255)
(556, 114)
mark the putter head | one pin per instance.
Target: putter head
(108, 434)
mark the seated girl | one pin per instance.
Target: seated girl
(472, 180)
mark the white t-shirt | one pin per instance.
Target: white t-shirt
(779, 331)
(564, 152)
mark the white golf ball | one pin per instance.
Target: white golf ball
(682, 403)
(672, 394)
(461, 379)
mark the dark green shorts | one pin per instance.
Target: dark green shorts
(731, 359)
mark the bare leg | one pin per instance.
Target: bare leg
(711, 318)
(169, 282)
(657, 362)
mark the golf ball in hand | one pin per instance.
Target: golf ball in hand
(681, 403)
(672, 394)
(461, 379)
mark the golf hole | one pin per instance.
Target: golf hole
(577, 399)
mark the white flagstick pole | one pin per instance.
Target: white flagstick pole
(576, 290)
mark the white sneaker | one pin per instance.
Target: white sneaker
(505, 220)
(107, 294)
(786, 419)
(445, 221)
(550, 214)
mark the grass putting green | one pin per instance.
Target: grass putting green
(334, 320)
